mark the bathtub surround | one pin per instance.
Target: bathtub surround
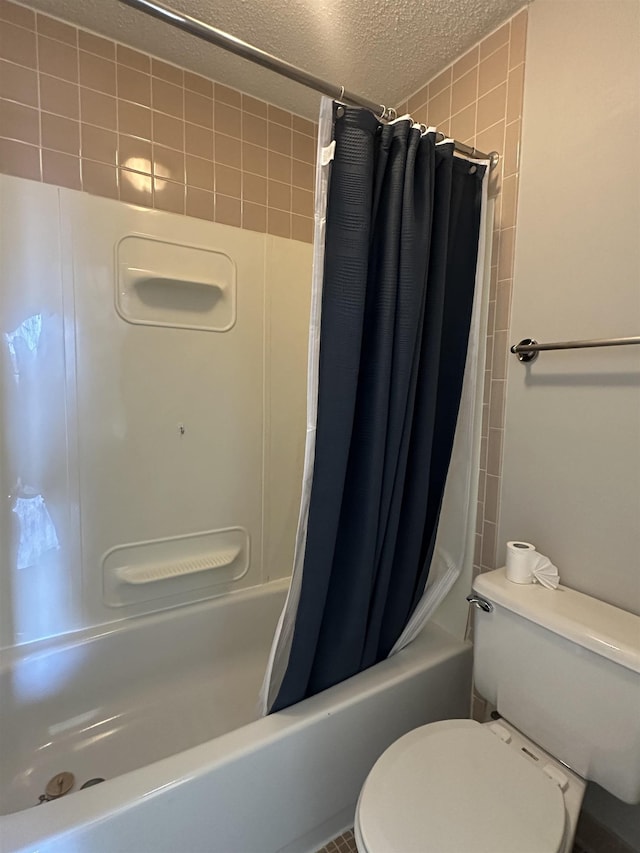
(84, 112)
(189, 432)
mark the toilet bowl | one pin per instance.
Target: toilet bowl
(461, 787)
(563, 671)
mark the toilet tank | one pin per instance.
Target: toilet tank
(564, 668)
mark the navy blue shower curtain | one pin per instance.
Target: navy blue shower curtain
(403, 221)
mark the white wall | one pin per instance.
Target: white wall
(92, 455)
(571, 466)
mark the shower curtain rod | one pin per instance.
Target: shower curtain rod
(247, 51)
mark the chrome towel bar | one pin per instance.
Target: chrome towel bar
(528, 348)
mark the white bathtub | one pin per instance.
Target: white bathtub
(164, 709)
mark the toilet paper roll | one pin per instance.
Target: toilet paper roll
(521, 560)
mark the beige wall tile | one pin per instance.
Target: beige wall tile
(57, 59)
(254, 159)
(254, 189)
(19, 122)
(168, 131)
(278, 223)
(168, 196)
(99, 179)
(122, 124)
(254, 129)
(18, 83)
(135, 187)
(16, 14)
(167, 72)
(463, 124)
(466, 62)
(133, 85)
(60, 134)
(228, 181)
(254, 106)
(489, 544)
(465, 90)
(491, 498)
(98, 109)
(511, 156)
(99, 144)
(198, 140)
(303, 125)
(96, 44)
(18, 45)
(227, 150)
(506, 253)
(279, 195)
(97, 73)
(59, 97)
(491, 108)
(199, 173)
(168, 163)
(227, 95)
(61, 169)
(167, 97)
(303, 147)
(493, 70)
(133, 58)
(199, 203)
(503, 306)
(254, 217)
(509, 200)
(134, 120)
(198, 84)
(228, 211)
(439, 108)
(517, 46)
(302, 175)
(515, 92)
(302, 202)
(279, 167)
(491, 139)
(20, 159)
(135, 153)
(227, 120)
(279, 116)
(494, 41)
(198, 109)
(279, 139)
(56, 29)
(418, 99)
(499, 356)
(302, 228)
(440, 83)
(496, 407)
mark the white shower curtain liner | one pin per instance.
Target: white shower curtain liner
(455, 537)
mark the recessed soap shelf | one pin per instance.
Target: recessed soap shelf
(137, 572)
(151, 573)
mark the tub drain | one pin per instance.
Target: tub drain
(58, 786)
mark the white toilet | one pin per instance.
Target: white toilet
(562, 669)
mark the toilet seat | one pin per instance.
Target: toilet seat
(454, 787)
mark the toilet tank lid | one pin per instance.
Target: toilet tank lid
(602, 628)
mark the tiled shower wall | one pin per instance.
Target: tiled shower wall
(478, 100)
(84, 112)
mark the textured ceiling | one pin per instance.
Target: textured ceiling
(382, 49)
